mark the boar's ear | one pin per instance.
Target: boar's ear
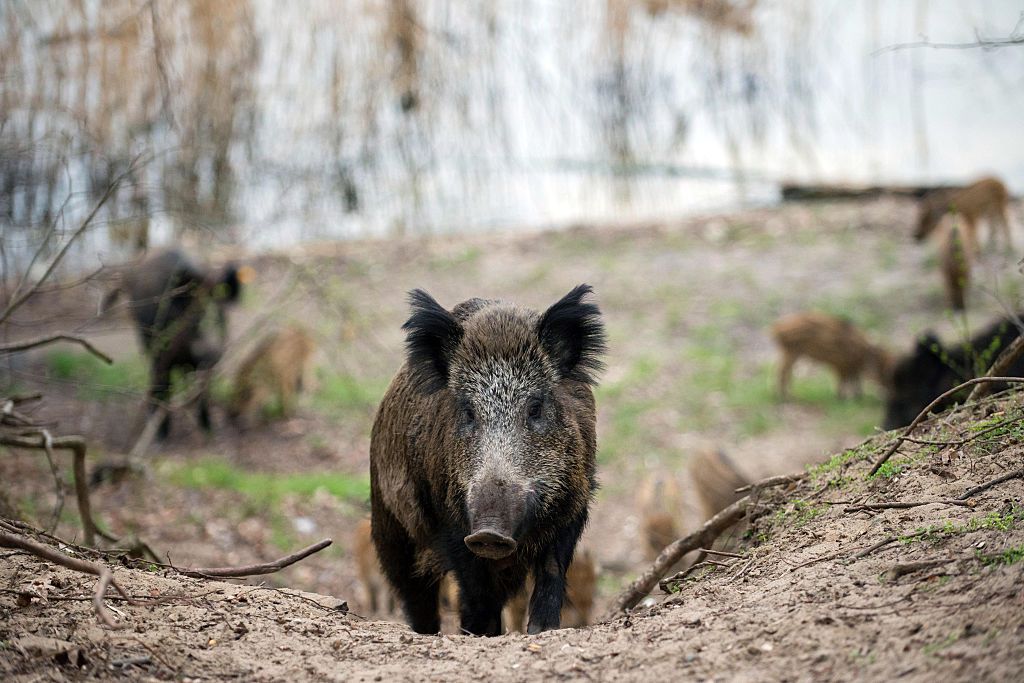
(573, 336)
(431, 336)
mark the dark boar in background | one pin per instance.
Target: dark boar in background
(482, 457)
(169, 296)
(932, 369)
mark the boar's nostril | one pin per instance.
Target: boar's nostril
(490, 544)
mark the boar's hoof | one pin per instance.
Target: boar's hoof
(490, 544)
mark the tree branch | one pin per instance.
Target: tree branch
(255, 569)
(13, 347)
(924, 413)
(1001, 366)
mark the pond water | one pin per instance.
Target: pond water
(272, 123)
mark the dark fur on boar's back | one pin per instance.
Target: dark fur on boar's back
(932, 369)
(482, 456)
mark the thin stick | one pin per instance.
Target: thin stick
(1010, 355)
(708, 551)
(702, 537)
(43, 341)
(906, 504)
(106, 577)
(778, 480)
(924, 413)
(904, 568)
(256, 569)
(989, 484)
(58, 484)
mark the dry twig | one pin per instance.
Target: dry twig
(924, 413)
(1015, 474)
(1010, 355)
(13, 347)
(902, 505)
(255, 569)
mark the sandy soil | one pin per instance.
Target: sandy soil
(687, 306)
(800, 604)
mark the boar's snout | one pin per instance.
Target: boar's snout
(497, 509)
(490, 544)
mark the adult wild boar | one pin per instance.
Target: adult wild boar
(932, 369)
(482, 456)
(169, 297)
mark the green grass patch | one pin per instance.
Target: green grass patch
(263, 489)
(993, 521)
(93, 377)
(1007, 557)
(341, 392)
(798, 513)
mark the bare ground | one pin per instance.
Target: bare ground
(687, 305)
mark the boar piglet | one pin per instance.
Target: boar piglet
(482, 456)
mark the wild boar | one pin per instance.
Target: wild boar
(932, 369)
(279, 368)
(956, 257)
(715, 478)
(986, 198)
(580, 587)
(169, 297)
(376, 593)
(831, 340)
(482, 456)
(661, 503)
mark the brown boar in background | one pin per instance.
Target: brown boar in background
(580, 588)
(376, 592)
(715, 478)
(955, 257)
(831, 340)
(986, 199)
(279, 368)
(661, 503)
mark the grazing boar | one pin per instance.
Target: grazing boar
(932, 369)
(715, 478)
(169, 297)
(580, 587)
(661, 504)
(279, 368)
(834, 341)
(955, 257)
(376, 593)
(482, 456)
(986, 198)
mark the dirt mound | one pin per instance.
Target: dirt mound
(842, 577)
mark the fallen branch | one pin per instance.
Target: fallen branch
(1010, 355)
(778, 480)
(904, 568)
(255, 569)
(106, 577)
(1015, 474)
(76, 445)
(43, 341)
(924, 413)
(906, 504)
(702, 537)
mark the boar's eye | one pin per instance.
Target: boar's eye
(467, 416)
(535, 409)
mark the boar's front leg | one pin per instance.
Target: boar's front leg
(549, 582)
(481, 595)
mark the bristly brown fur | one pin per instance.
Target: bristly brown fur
(432, 334)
